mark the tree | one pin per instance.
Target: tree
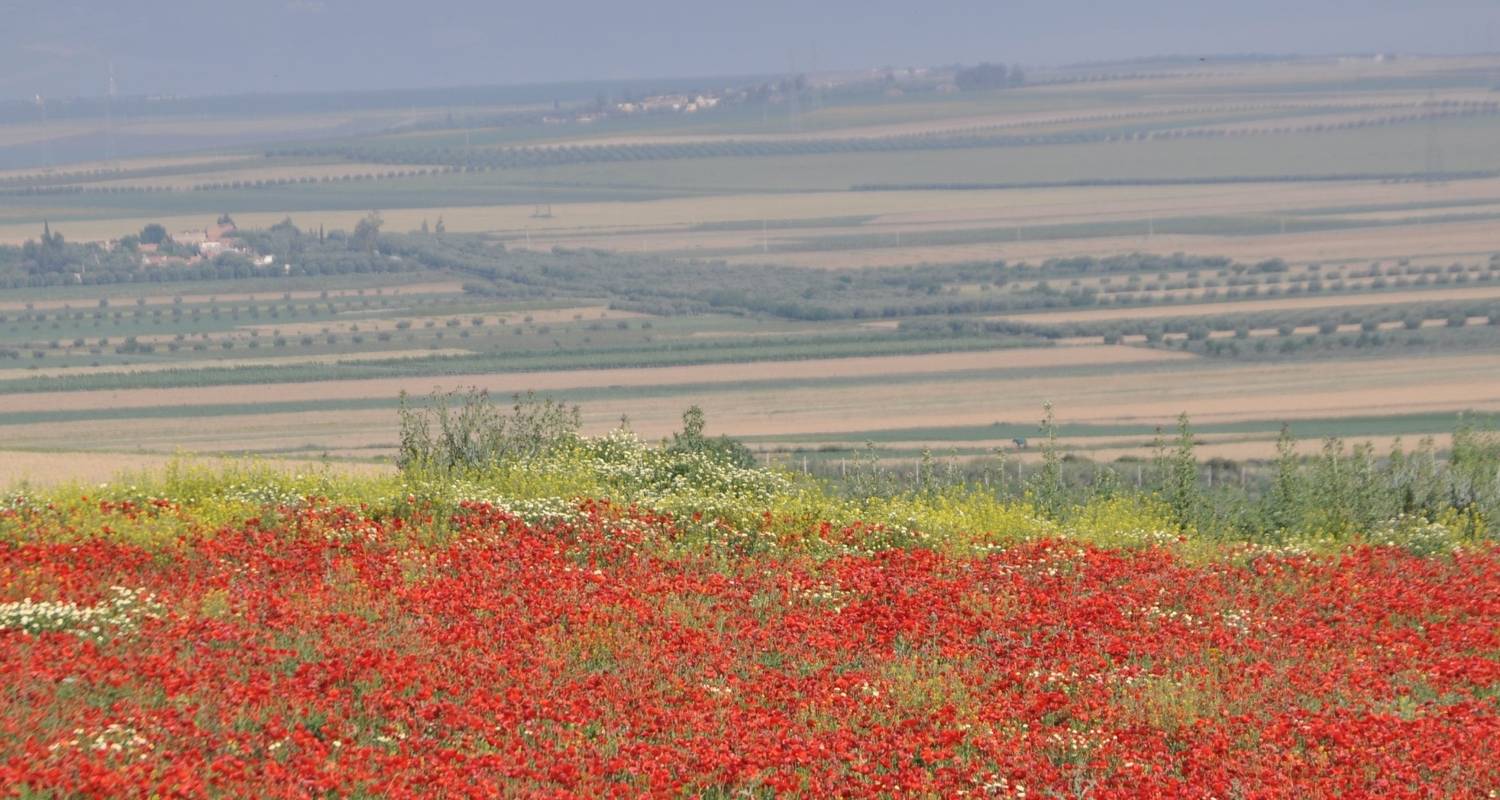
(693, 421)
(1046, 487)
(984, 76)
(1283, 502)
(722, 448)
(366, 234)
(47, 256)
(154, 233)
(1177, 474)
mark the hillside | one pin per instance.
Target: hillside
(603, 616)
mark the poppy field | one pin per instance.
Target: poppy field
(324, 649)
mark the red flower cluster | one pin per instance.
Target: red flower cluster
(331, 654)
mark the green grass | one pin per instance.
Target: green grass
(666, 354)
(1346, 427)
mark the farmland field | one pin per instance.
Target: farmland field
(1374, 188)
(1107, 431)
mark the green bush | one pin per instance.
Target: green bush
(463, 430)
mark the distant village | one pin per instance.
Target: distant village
(893, 82)
(655, 104)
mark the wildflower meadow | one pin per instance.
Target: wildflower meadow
(612, 618)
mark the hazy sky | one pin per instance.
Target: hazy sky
(63, 47)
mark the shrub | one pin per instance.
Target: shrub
(463, 430)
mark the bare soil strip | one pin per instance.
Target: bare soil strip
(1210, 392)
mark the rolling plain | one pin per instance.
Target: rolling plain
(1258, 237)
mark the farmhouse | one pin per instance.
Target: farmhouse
(190, 238)
(214, 234)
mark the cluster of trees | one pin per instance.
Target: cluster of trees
(989, 76)
(1410, 316)
(1457, 334)
(34, 190)
(295, 251)
(659, 286)
(48, 255)
(973, 327)
(653, 284)
(34, 178)
(52, 261)
(663, 286)
(271, 183)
